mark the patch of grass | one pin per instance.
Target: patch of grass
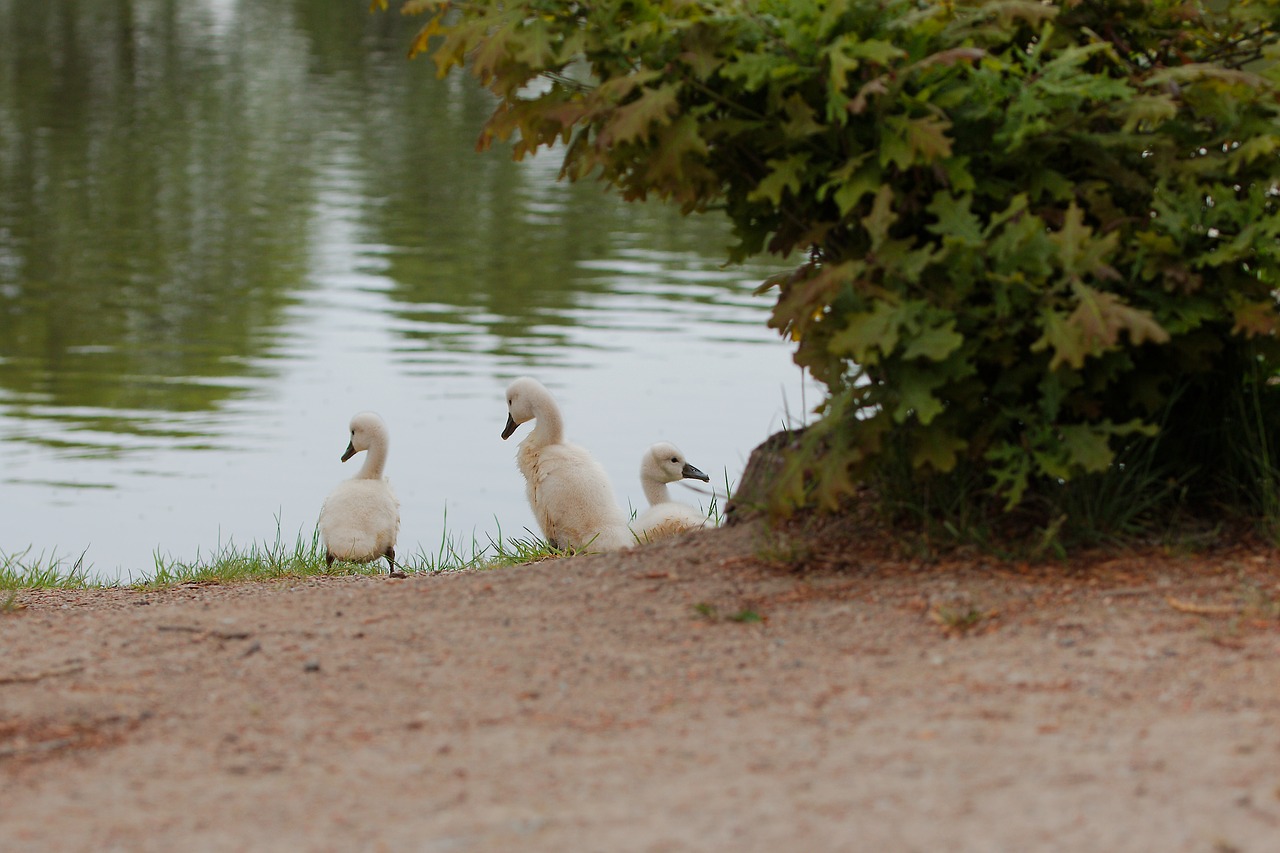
(1121, 503)
(1253, 460)
(705, 610)
(519, 550)
(304, 557)
(452, 555)
(1137, 497)
(11, 604)
(22, 570)
(264, 561)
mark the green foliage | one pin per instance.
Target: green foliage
(1030, 234)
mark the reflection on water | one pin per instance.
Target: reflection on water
(225, 227)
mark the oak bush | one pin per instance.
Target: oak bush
(1029, 236)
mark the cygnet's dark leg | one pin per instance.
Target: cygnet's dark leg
(328, 559)
(391, 558)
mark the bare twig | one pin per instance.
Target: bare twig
(1202, 609)
(212, 632)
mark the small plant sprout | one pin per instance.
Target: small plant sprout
(746, 614)
(711, 613)
(960, 619)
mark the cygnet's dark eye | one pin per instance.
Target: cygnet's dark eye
(674, 459)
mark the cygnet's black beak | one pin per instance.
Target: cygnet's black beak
(510, 428)
(691, 473)
(351, 451)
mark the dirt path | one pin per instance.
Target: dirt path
(611, 703)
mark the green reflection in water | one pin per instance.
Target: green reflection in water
(164, 173)
(155, 208)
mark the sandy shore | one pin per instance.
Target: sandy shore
(733, 690)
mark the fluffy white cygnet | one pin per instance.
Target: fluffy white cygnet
(568, 489)
(361, 517)
(661, 464)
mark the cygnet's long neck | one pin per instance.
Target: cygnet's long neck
(655, 490)
(550, 426)
(375, 460)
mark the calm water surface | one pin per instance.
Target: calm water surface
(226, 227)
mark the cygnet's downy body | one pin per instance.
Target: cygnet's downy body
(360, 519)
(661, 464)
(568, 489)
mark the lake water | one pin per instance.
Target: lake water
(226, 227)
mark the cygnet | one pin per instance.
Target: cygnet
(661, 464)
(568, 490)
(360, 519)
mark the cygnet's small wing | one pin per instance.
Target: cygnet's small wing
(667, 519)
(570, 494)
